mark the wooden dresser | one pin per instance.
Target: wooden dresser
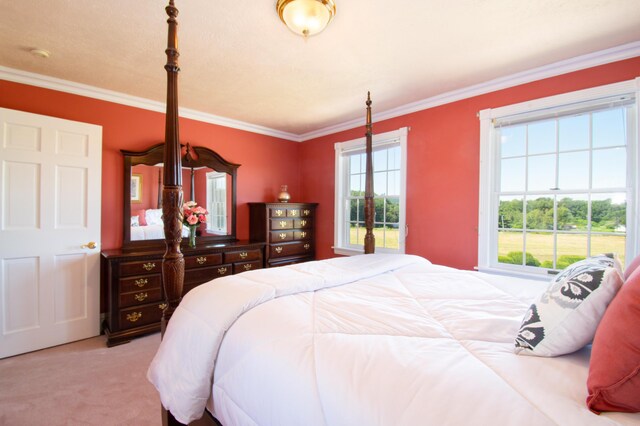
(134, 282)
(286, 228)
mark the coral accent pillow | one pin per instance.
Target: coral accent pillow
(614, 370)
(631, 267)
(142, 220)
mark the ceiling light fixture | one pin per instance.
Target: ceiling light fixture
(306, 17)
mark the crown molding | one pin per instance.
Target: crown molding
(602, 57)
(618, 53)
(46, 82)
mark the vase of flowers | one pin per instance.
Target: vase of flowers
(192, 216)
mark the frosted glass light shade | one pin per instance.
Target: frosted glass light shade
(306, 17)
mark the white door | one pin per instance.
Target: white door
(50, 176)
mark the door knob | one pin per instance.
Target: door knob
(91, 245)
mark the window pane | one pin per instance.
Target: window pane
(609, 128)
(380, 183)
(354, 234)
(393, 184)
(608, 213)
(540, 213)
(540, 247)
(571, 248)
(608, 244)
(393, 212)
(391, 237)
(573, 133)
(354, 164)
(512, 174)
(379, 209)
(394, 158)
(510, 213)
(542, 173)
(512, 141)
(509, 245)
(572, 212)
(354, 184)
(542, 137)
(380, 160)
(573, 170)
(353, 210)
(609, 168)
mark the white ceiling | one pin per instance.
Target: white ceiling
(240, 62)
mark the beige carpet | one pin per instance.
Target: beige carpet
(82, 383)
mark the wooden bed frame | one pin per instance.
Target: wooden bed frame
(172, 198)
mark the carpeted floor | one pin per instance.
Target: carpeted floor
(81, 383)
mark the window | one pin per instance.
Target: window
(559, 180)
(217, 202)
(389, 182)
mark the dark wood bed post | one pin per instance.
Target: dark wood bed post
(173, 261)
(369, 211)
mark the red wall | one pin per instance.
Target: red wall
(443, 165)
(266, 162)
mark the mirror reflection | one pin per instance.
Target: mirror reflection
(207, 179)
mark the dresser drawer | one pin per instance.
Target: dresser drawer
(281, 236)
(202, 261)
(242, 255)
(306, 212)
(281, 224)
(202, 275)
(141, 315)
(302, 223)
(246, 266)
(138, 268)
(290, 249)
(140, 297)
(277, 212)
(146, 282)
(302, 235)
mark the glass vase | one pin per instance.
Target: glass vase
(192, 236)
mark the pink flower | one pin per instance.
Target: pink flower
(199, 210)
(192, 219)
(203, 218)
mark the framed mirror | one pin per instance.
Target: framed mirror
(207, 178)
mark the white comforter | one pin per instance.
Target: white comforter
(366, 340)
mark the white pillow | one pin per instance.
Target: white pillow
(135, 220)
(153, 216)
(564, 318)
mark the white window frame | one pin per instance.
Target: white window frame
(395, 137)
(211, 179)
(487, 226)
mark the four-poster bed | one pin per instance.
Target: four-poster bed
(372, 339)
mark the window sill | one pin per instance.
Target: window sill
(347, 252)
(517, 274)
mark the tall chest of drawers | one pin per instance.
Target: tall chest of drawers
(288, 229)
(134, 283)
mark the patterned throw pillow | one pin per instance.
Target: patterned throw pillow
(564, 318)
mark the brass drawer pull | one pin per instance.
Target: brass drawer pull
(162, 306)
(134, 316)
(201, 260)
(283, 224)
(140, 296)
(243, 255)
(303, 234)
(247, 266)
(222, 270)
(149, 266)
(283, 236)
(141, 282)
(294, 212)
(279, 212)
(303, 222)
(306, 212)
(278, 249)
(306, 246)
